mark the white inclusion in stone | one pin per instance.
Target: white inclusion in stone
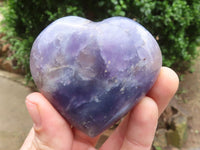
(85, 124)
(122, 90)
(49, 85)
(96, 99)
(57, 75)
(142, 63)
(116, 81)
(66, 75)
(107, 65)
(147, 38)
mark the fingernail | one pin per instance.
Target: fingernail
(34, 113)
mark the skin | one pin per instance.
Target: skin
(51, 132)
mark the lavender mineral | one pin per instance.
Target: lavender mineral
(93, 73)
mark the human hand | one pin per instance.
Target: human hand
(136, 132)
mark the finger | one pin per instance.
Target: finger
(141, 126)
(141, 120)
(28, 143)
(51, 130)
(164, 88)
(114, 142)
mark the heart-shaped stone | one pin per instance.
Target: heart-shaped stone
(93, 73)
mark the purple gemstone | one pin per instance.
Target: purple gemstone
(93, 73)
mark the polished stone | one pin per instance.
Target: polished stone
(93, 73)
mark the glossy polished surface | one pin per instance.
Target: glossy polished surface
(93, 73)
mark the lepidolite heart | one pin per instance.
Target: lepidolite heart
(93, 73)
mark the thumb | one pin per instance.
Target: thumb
(50, 130)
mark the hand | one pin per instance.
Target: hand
(136, 132)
